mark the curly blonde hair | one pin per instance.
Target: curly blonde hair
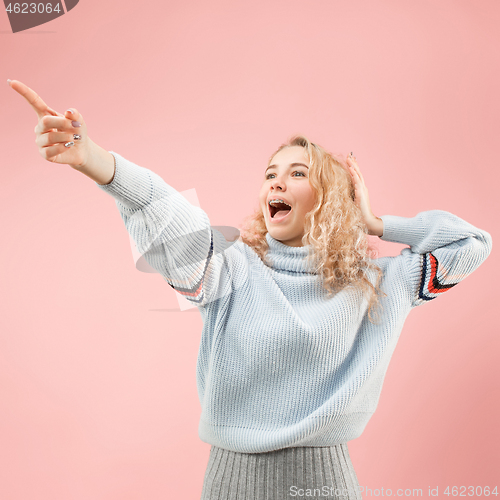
(334, 227)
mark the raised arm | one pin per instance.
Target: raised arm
(444, 249)
(175, 237)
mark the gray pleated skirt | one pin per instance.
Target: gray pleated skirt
(276, 475)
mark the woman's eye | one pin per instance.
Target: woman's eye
(268, 176)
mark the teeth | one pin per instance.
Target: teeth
(278, 200)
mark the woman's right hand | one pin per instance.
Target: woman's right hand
(54, 130)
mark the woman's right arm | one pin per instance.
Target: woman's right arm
(174, 236)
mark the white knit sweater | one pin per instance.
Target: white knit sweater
(279, 364)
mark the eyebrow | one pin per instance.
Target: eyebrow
(291, 165)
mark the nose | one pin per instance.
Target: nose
(277, 183)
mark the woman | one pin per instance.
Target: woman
(291, 360)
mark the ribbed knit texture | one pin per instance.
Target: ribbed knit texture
(303, 472)
(279, 364)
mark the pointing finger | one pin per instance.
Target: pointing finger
(33, 98)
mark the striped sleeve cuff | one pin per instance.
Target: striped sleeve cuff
(444, 249)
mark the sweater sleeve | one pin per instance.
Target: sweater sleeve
(174, 236)
(444, 249)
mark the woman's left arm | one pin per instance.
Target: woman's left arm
(444, 248)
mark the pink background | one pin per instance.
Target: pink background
(97, 362)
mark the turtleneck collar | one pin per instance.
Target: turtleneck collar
(288, 258)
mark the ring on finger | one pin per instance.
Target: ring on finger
(77, 137)
(68, 144)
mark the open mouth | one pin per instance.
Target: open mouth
(278, 209)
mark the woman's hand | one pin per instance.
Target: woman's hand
(60, 138)
(374, 224)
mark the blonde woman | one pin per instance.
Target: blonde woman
(299, 320)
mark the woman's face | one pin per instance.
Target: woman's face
(287, 179)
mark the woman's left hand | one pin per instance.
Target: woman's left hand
(374, 224)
